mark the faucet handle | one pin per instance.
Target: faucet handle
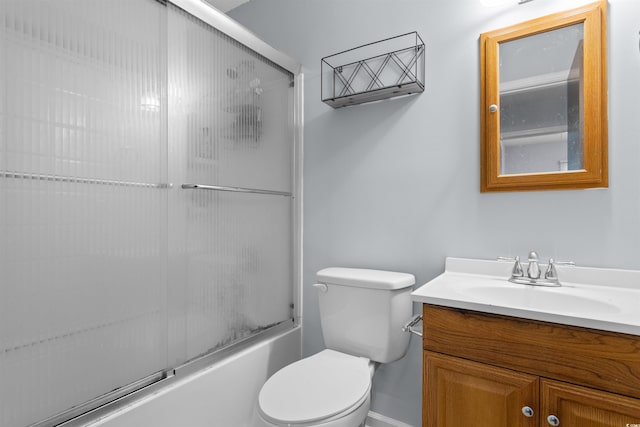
(517, 267)
(552, 273)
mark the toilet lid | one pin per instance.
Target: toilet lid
(315, 388)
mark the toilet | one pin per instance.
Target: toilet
(362, 312)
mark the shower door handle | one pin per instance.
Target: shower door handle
(235, 189)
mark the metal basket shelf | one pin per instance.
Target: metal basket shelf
(374, 71)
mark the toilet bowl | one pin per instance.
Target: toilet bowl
(328, 389)
(362, 312)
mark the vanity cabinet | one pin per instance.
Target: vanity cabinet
(581, 406)
(463, 393)
(488, 370)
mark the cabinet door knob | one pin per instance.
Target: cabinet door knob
(493, 108)
(527, 411)
(553, 420)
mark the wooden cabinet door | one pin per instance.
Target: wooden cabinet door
(576, 406)
(459, 392)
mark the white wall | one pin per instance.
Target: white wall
(395, 185)
(223, 395)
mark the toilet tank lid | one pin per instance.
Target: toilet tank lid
(365, 278)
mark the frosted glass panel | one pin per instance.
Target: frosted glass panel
(82, 218)
(230, 124)
(235, 108)
(239, 266)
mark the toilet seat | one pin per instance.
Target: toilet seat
(316, 389)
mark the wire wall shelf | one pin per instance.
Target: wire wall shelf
(374, 71)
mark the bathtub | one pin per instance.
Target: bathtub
(221, 395)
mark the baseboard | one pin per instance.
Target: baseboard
(377, 420)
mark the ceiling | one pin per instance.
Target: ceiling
(225, 5)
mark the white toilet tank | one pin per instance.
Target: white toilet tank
(362, 311)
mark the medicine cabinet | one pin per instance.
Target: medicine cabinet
(543, 105)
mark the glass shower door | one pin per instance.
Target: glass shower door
(82, 202)
(231, 139)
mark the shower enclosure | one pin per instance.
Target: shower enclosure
(149, 198)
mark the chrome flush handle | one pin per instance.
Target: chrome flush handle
(321, 287)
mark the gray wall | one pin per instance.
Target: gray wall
(395, 185)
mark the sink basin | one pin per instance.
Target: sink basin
(598, 298)
(565, 300)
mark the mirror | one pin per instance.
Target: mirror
(544, 103)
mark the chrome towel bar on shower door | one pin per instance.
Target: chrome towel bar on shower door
(80, 180)
(235, 189)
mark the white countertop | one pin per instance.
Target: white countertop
(598, 298)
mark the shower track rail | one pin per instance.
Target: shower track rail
(97, 409)
(235, 189)
(80, 180)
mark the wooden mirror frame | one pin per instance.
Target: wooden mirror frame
(595, 172)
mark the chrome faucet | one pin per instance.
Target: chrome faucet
(533, 271)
